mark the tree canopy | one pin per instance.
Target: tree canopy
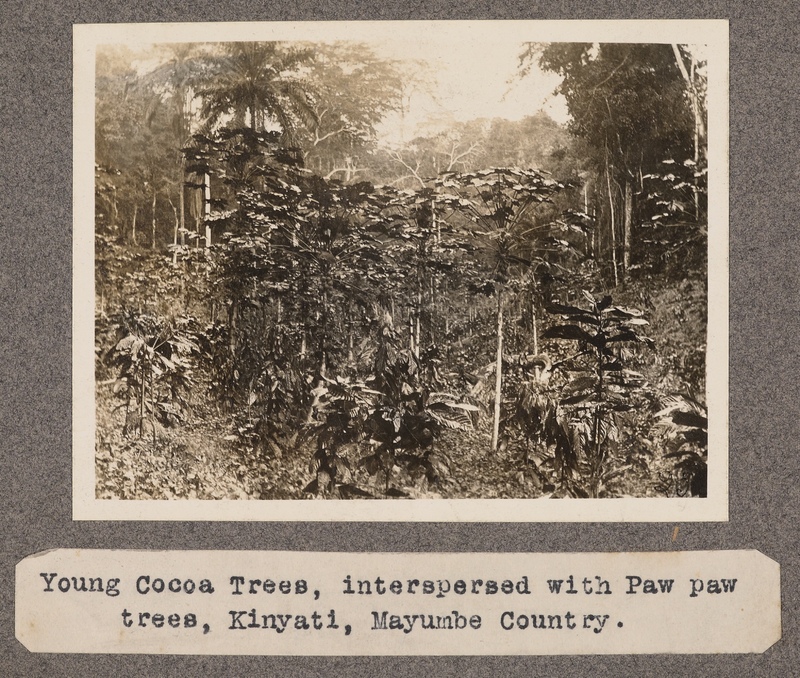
(492, 308)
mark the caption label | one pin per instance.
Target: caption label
(292, 603)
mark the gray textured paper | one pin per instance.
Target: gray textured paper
(35, 343)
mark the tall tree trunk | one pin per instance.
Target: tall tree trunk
(133, 227)
(323, 340)
(175, 233)
(351, 356)
(586, 198)
(593, 241)
(432, 309)
(535, 331)
(626, 247)
(207, 207)
(498, 383)
(233, 316)
(417, 328)
(692, 89)
(613, 227)
(153, 240)
(411, 330)
(153, 398)
(182, 201)
(697, 122)
(142, 408)
(699, 125)
(115, 210)
(437, 226)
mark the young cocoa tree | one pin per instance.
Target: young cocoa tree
(396, 414)
(601, 386)
(154, 370)
(684, 421)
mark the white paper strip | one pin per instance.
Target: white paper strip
(292, 603)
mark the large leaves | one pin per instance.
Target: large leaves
(594, 399)
(574, 332)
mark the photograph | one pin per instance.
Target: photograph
(459, 266)
(366, 339)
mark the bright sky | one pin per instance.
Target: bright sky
(474, 63)
(468, 83)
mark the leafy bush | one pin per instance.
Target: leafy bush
(601, 386)
(684, 420)
(153, 369)
(399, 419)
(545, 427)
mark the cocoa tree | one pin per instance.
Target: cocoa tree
(601, 385)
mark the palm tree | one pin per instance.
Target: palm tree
(258, 84)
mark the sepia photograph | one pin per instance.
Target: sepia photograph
(477, 270)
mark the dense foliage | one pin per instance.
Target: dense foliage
(286, 308)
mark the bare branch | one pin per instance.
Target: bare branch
(414, 171)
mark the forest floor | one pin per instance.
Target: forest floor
(197, 462)
(199, 459)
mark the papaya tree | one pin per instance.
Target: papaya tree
(499, 204)
(300, 266)
(425, 252)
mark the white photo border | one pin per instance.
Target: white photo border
(713, 33)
